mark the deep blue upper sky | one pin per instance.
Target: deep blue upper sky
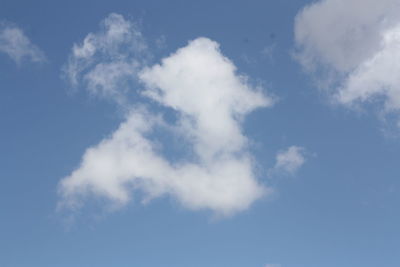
(339, 209)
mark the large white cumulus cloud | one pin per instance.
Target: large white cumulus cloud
(210, 100)
(200, 83)
(357, 42)
(129, 161)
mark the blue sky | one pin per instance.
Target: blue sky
(199, 133)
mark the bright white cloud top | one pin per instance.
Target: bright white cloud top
(210, 101)
(17, 45)
(358, 43)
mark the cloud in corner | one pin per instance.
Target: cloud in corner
(353, 47)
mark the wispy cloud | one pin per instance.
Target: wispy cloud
(210, 101)
(268, 52)
(289, 161)
(106, 61)
(17, 45)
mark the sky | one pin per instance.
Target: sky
(199, 133)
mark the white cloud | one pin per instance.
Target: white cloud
(202, 85)
(106, 61)
(290, 160)
(342, 33)
(17, 45)
(357, 42)
(378, 75)
(210, 100)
